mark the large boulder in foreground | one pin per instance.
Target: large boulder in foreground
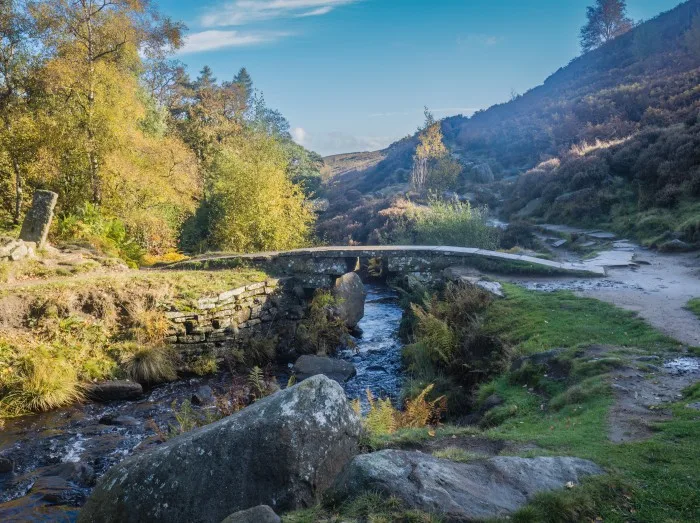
(282, 451)
(259, 514)
(335, 369)
(350, 293)
(459, 491)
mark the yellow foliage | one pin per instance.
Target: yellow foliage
(255, 206)
(383, 418)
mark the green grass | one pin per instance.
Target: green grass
(651, 481)
(537, 321)
(694, 306)
(368, 507)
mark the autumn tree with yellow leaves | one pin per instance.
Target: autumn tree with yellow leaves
(92, 106)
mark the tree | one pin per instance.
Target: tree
(607, 20)
(18, 134)
(429, 147)
(254, 204)
(245, 83)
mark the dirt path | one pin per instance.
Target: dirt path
(657, 287)
(641, 398)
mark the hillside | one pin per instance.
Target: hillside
(611, 139)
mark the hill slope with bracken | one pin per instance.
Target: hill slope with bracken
(612, 139)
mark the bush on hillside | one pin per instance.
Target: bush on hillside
(446, 223)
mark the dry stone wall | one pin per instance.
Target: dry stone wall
(263, 309)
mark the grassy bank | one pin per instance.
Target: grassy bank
(58, 334)
(533, 321)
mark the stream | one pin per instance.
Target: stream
(55, 457)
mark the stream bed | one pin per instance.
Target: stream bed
(49, 462)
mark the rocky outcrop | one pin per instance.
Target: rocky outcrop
(284, 451)
(338, 370)
(350, 293)
(259, 514)
(459, 491)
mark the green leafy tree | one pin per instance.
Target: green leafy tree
(254, 204)
(607, 20)
(245, 83)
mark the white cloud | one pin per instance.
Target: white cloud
(242, 12)
(215, 39)
(316, 12)
(299, 135)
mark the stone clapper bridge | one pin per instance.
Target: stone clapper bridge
(318, 267)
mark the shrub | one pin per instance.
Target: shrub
(106, 234)
(149, 364)
(383, 419)
(322, 331)
(442, 223)
(449, 349)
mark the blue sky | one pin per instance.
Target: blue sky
(354, 75)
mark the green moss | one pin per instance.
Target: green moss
(537, 321)
(694, 306)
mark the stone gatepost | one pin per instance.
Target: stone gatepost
(35, 227)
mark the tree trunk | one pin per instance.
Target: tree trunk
(18, 191)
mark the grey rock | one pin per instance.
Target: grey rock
(6, 465)
(694, 406)
(56, 490)
(546, 358)
(493, 401)
(37, 222)
(19, 252)
(203, 396)
(119, 421)
(259, 514)
(79, 474)
(350, 292)
(491, 488)
(114, 391)
(338, 370)
(284, 451)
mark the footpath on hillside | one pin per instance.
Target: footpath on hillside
(655, 285)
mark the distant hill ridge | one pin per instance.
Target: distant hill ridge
(637, 98)
(514, 136)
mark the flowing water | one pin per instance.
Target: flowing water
(377, 355)
(56, 456)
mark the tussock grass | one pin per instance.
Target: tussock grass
(149, 364)
(40, 384)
